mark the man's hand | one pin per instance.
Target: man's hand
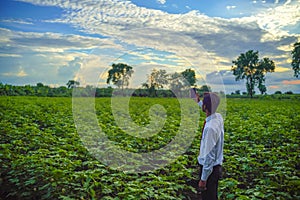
(202, 185)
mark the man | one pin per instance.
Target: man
(211, 148)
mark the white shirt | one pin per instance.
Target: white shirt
(211, 148)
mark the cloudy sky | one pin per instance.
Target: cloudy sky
(53, 41)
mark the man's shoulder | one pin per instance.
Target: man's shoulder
(219, 116)
(216, 121)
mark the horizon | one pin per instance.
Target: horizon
(242, 92)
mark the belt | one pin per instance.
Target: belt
(216, 166)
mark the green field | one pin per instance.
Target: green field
(42, 155)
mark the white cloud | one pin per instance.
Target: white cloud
(126, 21)
(288, 2)
(286, 47)
(274, 20)
(17, 21)
(93, 70)
(109, 17)
(10, 55)
(45, 57)
(19, 73)
(51, 42)
(230, 7)
(161, 1)
(22, 73)
(174, 5)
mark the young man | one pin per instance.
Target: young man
(211, 148)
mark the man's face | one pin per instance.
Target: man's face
(203, 108)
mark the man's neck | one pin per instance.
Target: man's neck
(208, 114)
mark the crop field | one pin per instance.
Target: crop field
(42, 155)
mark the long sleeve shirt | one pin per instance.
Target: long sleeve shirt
(212, 142)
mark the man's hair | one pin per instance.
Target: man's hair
(211, 100)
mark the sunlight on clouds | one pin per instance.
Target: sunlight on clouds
(54, 85)
(199, 77)
(293, 82)
(220, 62)
(67, 57)
(289, 60)
(20, 73)
(184, 64)
(281, 69)
(139, 54)
(56, 59)
(47, 50)
(282, 60)
(269, 37)
(288, 47)
(93, 70)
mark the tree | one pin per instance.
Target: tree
(237, 92)
(190, 76)
(278, 92)
(119, 75)
(250, 67)
(289, 92)
(182, 82)
(177, 83)
(28, 90)
(262, 88)
(72, 83)
(39, 85)
(62, 91)
(296, 59)
(156, 80)
(204, 88)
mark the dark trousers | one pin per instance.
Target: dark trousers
(211, 193)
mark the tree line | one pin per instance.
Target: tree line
(42, 90)
(158, 82)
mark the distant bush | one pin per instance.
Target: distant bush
(278, 92)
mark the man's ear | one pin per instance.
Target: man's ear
(203, 107)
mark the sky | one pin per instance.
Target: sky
(53, 41)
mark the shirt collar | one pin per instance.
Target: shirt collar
(212, 116)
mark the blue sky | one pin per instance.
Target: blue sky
(55, 41)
